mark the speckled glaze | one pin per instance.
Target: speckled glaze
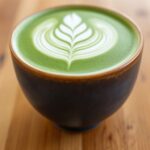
(77, 103)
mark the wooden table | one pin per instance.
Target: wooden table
(22, 128)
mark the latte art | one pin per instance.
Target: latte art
(75, 41)
(73, 38)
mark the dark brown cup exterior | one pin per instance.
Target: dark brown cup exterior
(77, 105)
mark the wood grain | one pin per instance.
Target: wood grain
(22, 128)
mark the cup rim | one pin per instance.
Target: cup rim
(99, 75)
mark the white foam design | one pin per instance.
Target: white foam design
(73, 39)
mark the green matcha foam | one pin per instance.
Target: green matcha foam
(75, 40)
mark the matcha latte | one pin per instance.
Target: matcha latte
(75, 40)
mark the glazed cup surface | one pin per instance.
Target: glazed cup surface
(80, 102)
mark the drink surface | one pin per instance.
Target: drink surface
(75, 40)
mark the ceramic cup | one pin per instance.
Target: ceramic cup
(81, 102)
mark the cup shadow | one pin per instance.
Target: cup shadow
(2, 58)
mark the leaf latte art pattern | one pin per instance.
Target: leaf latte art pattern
(74, 39)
